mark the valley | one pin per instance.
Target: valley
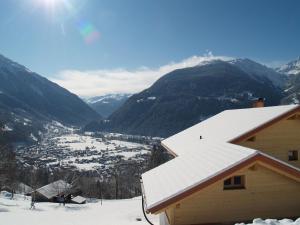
(62, 147)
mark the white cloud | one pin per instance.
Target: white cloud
(99, 82)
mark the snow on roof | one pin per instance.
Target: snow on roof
(79, 199)
(225, 126)
(23, 189)
(189, 170)
(53, 189)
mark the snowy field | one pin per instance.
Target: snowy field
(111, 212)
(79, 142)
(272, 222)
(103, 149)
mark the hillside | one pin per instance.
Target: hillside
(187, 96)
(27, 100)
(292, 86)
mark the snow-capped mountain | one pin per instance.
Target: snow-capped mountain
(292, 86)
(186, 96)
(259, 71)
(290, 68)
(105, 105)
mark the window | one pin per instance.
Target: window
(293, 155)
(236, 182)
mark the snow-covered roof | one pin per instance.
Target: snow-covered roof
(206, 159)
(79, 199)
(225, 126)
(186, 172)
(189, 170)
(54, 189)
(23, 189)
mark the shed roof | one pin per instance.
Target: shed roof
(226, 126)
(79, 199)
(23, 189)
(176, 178)
(53, 189)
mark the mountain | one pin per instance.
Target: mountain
(259, 71)
(107, 104)
(187, 96)
(28, 99)
(292, 87)
(291, 68)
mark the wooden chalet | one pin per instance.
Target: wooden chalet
(233, 167)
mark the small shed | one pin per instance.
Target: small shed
(78, 200)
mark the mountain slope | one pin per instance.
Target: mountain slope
(292, 87)
(107, 104)
(290, 68)
(259, 71)
(186, 96)
(26, 94)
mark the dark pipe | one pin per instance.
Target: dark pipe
(145, 212)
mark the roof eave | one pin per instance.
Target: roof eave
(265, 125)
(258, 156)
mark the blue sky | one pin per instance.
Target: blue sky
(84, 36)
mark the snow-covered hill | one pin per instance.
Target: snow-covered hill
(290, 68)
(292, 86)
(105, 105)
(111, 212)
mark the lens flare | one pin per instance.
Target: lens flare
(63, 11)
(88, 31)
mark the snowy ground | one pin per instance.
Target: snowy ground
(111, 212)
(273, 222)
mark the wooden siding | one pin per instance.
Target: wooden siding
(267, 195)
(278, 139)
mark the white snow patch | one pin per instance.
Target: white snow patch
(7, 128)
(33, 137)
(111, 212)
(259, 221)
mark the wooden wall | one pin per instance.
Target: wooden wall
(278, 139)
(267, 195)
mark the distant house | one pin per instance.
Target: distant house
(23, 189)
(235, 166)
(53, 191)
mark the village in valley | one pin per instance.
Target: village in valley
(70, 148)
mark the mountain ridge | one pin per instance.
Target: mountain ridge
(25, 95)
(184, 97)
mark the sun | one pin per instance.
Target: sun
(50, 4)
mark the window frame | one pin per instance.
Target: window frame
(232, 185)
